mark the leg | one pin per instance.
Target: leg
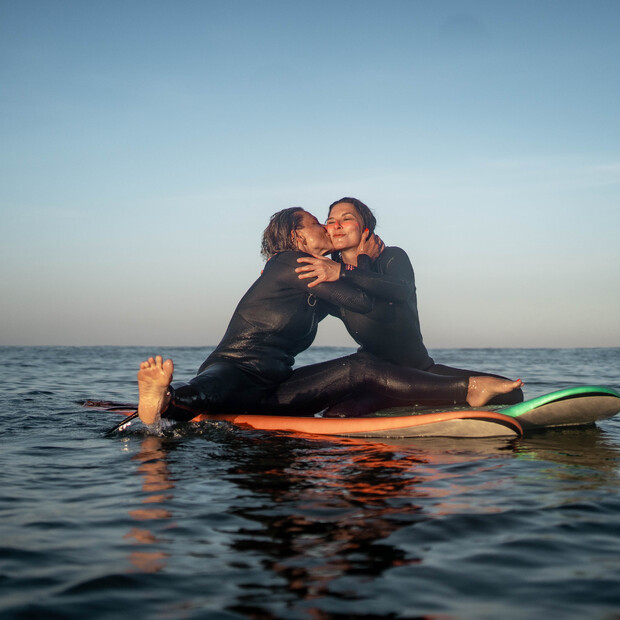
(363, 378)
(509, 398)
(218, 388)
(377, 384)
(419, 387)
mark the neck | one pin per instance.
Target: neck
(349, 256)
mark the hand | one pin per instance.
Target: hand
(371, 245)
(320, 267)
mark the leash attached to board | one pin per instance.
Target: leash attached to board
(122, 424)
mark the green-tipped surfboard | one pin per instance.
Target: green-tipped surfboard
(575, 406)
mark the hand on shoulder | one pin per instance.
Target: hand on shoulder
(371, 245)
(322, 268)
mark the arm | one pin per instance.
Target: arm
(323, 269)
(396, 283)
(340, 293)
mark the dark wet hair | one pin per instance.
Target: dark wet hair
(370, 221)
(277, 236)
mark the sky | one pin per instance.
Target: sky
(145, 143)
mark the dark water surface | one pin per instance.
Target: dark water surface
(228, 523)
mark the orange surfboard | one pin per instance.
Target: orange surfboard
(439, 424)
(459, 423)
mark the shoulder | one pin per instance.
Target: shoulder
(287, 258)
(394, 253)
(281, 268)
(394, 261)
(393, 250)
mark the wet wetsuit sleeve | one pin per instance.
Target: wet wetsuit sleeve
(394, 283)
(344, 294)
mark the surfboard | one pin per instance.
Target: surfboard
(575, 406)
(461, 423)
(464, 423)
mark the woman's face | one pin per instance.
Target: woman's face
(311, 236)
(344, 226)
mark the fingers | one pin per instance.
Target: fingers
(377, 239)
(312, 260)
(320, 277)
(322, 268)
(304, 269)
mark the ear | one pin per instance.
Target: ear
(298, 240)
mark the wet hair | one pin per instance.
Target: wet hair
(369, 220)
(277, 236)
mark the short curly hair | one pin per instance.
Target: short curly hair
(277, 236)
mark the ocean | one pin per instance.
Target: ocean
(220, 522)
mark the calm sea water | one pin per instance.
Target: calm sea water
(227, 523)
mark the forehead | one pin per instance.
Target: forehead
(308, 219)
(343, 208)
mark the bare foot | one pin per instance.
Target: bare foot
(482, 389)
(154, 377)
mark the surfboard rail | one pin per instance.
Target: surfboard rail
(442, 424)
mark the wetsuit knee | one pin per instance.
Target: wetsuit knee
(219, 388)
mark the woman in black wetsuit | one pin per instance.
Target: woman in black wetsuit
(251, 370)
(391, 330)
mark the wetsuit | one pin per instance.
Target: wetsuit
(391, 330)
(251, 370)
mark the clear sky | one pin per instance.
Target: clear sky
(144, 145)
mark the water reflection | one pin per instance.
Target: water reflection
(582, 455)
(156, 479)
(329, 507)
(336, 517)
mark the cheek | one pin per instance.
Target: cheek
(352, 227)
(320, 234)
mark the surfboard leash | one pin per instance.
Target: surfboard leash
(124, 423)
